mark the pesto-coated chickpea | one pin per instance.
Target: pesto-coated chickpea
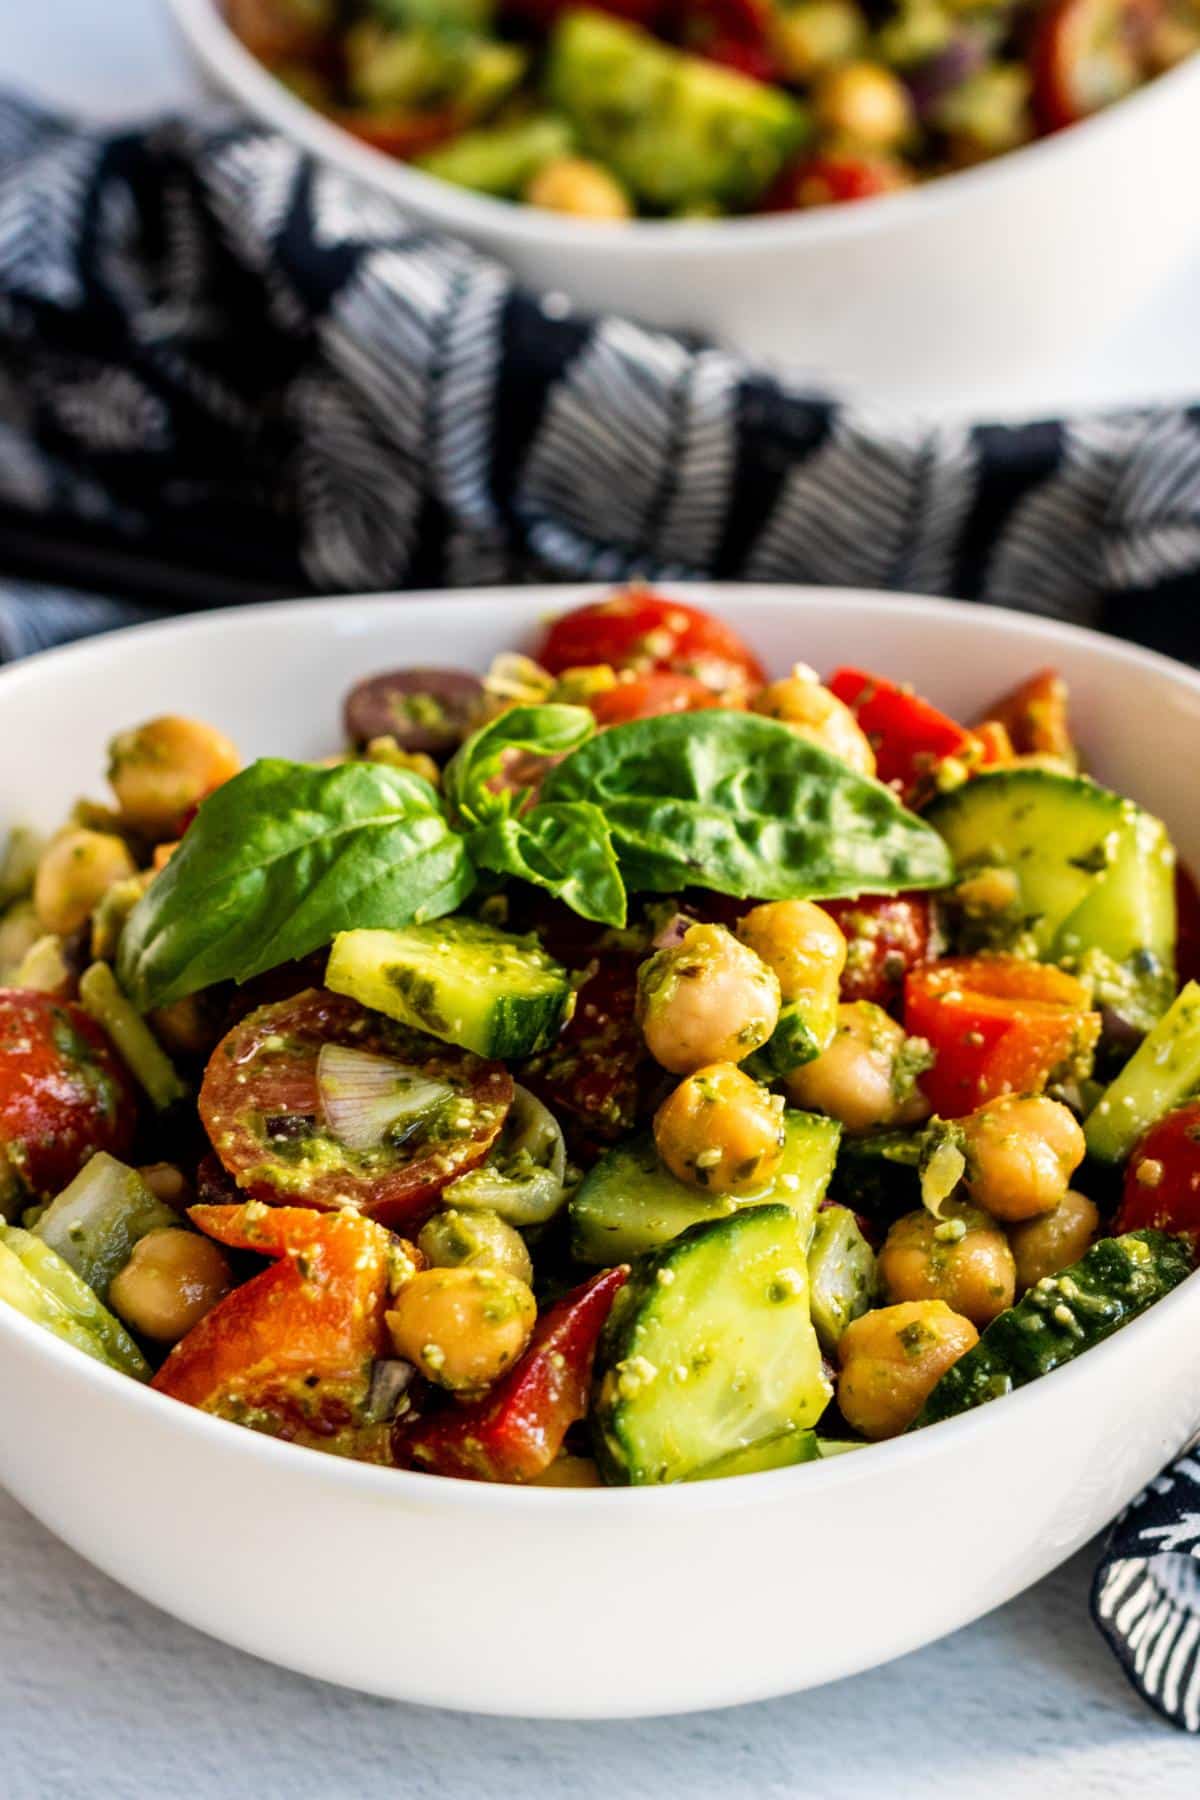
(864, 104)
(815, 35)
(814, 713)
(575, 185)
(962, 1258)
(893, 1358)
(708, 999)
(867, 1076)
(570, 1471)
(1021, 1151)
(159, 771)
(720, 1131)
(800, 944)
(75, 872)
(462, 1327)
(171, 1280)
(1055, 1240)
(480, 1239)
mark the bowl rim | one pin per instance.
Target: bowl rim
(370, 1481)
(215, 46)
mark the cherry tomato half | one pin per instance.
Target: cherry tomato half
(638, 629)
(64, 1094)
(1162, 1177)
(594, 1072)
(886, 936)
(260, 1106)
(646, 696)
(735, 33)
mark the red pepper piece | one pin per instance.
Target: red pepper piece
(908, 735)
(515, 1432)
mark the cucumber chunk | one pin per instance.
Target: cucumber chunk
(628, 1203)
(35, 1281)
(96, 1221)
(681, 132)
(782, 1450)
(709, 1349)
(461, 981)
(841, 1274)
(499, 159)
(805, 1028)
(1163, 1070)
(1060, 1317)
(1094, 874)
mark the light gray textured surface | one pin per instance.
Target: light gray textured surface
(103, 1698)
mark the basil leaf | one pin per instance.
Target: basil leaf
(536, 730)
(279, 860)
(737, 802)
(565, 849)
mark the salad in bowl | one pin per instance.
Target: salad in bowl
(622, 1068)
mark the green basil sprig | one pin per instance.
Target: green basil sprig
(739, 803)
(565, 848)
(280, 859)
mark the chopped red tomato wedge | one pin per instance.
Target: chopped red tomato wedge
(515, 1432)
(997, 1025)
(887, 935)
(64, 1094)
(638, 629)
(261, 1107)
(291, 1351)
(647, 696)
(1162, 1177)
(910, 737)
(593, 1072)
(1032, 719)
(735, 33)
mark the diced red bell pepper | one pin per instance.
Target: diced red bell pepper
(291, 1350)
(997, 1025)
(515, 1432)
(908, 735)
(887, 935)
(1162, 1177)
(1033, 717)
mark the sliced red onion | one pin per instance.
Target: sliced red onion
(930, 81)
(364, 1096)
(672, 934)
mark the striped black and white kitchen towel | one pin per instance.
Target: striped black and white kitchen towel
(227, 374)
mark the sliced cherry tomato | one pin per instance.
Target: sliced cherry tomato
(646, 696)
(734, 33)
(638, 629)
(886, 937)
(1086, 54)
(1034, 718)
(261, 1109)
(997, 1025)
(64, 1094)
(1187, 925)
(594, 1072)
(910, 737)
(291, 1351)
(517, 1430)
(833, 178)
(1162, 1177)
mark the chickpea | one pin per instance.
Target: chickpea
(815, 35)
(570, 1471)
(800, 944)
(573, 184)
(74, 874)
(166, 766)
(171, 1280)
(814, 713)
(893, 1358)
(1044, 1245)
(709, 999)
(864, 104)
(866, 1077)
(720, 1131)
(475, 1240)
(962, 1258)
(192, 1026)
(462, 1327)
(168, 1184)
(1021, 1151)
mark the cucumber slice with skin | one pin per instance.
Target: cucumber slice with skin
(841, 1274)
(1094, 874)
(782, 1450)
(709, 1349)
(628, 1203)
(1163, 1070)
(805, 1028)
(97, 1220)
(1060, 1317)
(460, 980)
(35, 1281)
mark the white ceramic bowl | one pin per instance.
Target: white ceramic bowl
(584, 1603)
(993, 280)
